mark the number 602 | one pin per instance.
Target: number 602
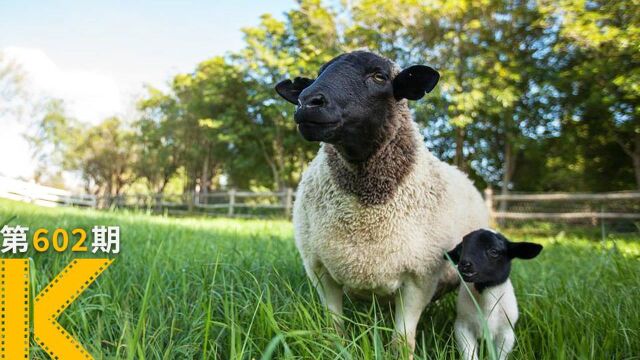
(59, 240)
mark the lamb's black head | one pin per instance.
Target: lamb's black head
(484, 256)
(352, 95)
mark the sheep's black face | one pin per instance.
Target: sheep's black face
(484, 257)
(349, 101)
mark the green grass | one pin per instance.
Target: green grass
(235, 289)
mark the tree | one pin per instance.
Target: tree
(11, 85)
(51, 140)
(510, 68)
(160, 150)
(104, 155)
(528, 91)
(276, 50)
(600, 72)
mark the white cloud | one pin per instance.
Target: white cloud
(88, 94)
(15, 158)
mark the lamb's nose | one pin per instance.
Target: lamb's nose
(313, 101)
(465, 266)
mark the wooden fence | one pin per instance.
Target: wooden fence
(564, 206)
(514, 207)
(281, 201)
(42, 195)
(232, 203)
(222, 203)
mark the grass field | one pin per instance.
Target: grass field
(235, 289)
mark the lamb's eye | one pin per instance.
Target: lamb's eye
(379, 77)
(493, 253)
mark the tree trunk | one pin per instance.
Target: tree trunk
(635, 156)
(634, 153)
(108, 194)
(508, 167)
(271, 161)
(459, 158)
(204, 181)
(279, 157)
(163, 184)
(636, 167)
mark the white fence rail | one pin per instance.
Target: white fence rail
(228, 203)
(238, 200)
(42, 195)
(548, 206)
(564, 206)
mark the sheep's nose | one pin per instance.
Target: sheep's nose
(312, 101)
(465, 266)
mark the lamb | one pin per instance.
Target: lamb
(375, 210)
(484, 261)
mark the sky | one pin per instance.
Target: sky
(97, 56)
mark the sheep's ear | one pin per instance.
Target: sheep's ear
(413, 82)
(290, 90)
(523, 250)
(454, 254)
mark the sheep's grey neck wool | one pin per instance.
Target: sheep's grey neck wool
(376, 180)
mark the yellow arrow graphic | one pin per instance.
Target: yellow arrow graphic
(55, 298)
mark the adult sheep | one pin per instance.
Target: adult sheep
(375, 210)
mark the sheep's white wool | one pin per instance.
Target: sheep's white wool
(500, 309)
(375, 248)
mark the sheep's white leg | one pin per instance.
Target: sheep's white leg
(505, 341)
(411, 300)
(330, 293)
(466, 341)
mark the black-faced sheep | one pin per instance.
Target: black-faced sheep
(375, 210)
(484, 261)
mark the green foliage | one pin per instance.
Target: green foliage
(103, 155)
(225, 116)
(235, 289)
(534, 95)
(598, 72)
(53, 137)
(11, 84)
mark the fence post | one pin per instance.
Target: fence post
(232, 200)
(191, 200)
(488, 201)
(158, 203)
(288, 201)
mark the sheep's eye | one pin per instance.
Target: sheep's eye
(379, 77)
(493, 253)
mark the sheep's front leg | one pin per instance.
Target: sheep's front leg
(411, 300)
(505, 341)
(466, 341)
(330, 293)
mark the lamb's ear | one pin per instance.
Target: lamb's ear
(523, 250)
(413, 82)
(455, 254)
(290, 90)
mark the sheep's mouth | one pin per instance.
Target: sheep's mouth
(324, 131)
(468, 275)
(320, 123)
(315, 118)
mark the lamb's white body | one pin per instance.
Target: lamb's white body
(499, 307)
(391, 249)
